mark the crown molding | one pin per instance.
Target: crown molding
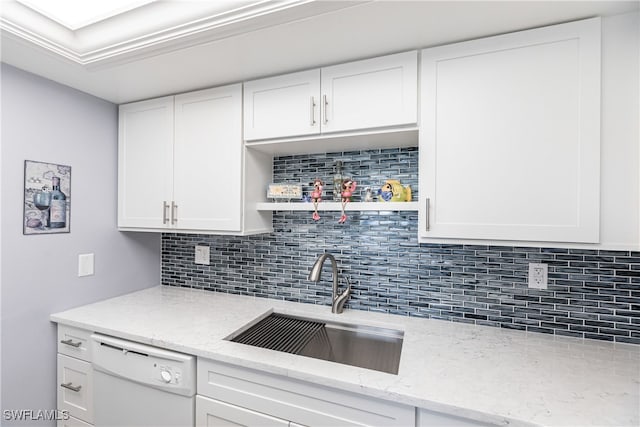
(153, 29)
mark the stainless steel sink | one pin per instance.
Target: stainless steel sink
(357, 345)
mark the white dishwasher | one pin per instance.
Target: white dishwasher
(140, 385)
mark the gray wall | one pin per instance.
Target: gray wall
(45, 121)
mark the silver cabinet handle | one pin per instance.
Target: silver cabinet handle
(174, 213)
(324, 106)
(427, 214)
(71, 387)
(313, 111)
(165, 217)
(71, 343)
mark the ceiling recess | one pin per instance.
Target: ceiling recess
(127, 30)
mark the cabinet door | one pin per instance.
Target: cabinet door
(145, 152)
(207, 162)
(510, 136)
(372, 93)
(75, 387)
(214, 413)
(282, 106)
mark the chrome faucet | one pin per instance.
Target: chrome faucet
(337, 300)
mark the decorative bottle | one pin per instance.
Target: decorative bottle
(337, 182)
(58, 208)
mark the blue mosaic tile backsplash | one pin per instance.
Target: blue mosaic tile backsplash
(591, 293)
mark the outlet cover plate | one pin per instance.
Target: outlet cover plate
(202, 255)
(538, 275)
(85, 265)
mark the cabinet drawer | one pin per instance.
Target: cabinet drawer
(75, 387)
(73, 422)
(210, 413)
(74, 342)
(297, 401)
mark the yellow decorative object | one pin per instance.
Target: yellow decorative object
(393, 191)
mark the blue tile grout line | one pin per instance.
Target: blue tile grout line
(591, 294)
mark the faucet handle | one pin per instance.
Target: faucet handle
(346, 278)
(340, 299)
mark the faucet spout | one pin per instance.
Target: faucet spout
(338, 299)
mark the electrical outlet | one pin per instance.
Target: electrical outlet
(202, 255)
(538, 274)
(85, 265)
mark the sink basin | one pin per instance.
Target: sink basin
(349, 344)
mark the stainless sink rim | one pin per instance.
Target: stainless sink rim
(267, 332)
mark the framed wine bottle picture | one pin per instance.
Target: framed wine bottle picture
(47, 198)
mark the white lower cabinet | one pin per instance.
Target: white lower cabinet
(238, 395)
(75, 377)
(75, 387)
(230, 395)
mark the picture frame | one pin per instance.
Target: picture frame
(47, 198)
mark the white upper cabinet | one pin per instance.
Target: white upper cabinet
(180, 165)
(284, 105)
(145, 157)
(377, 92)
(510, 137)
(207, 159)
(373, 93)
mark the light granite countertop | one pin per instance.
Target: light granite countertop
(487, 374)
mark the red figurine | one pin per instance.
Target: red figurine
(348, 187)
(316, 197)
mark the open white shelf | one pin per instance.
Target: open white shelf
(336, 206)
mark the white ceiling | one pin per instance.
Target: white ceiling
(176, 46)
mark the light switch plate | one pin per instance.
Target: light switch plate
(85, 265)
(202, 255)
(538, 275)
